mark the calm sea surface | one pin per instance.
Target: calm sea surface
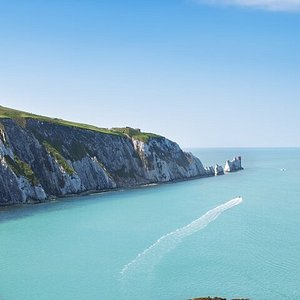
(173, 241)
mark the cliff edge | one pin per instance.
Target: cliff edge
(42, 158)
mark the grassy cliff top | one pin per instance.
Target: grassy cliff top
(8, 113)
(135, 133)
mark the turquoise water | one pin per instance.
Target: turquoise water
(143, 243)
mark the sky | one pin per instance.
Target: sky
(204, 73)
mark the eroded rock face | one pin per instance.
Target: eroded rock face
(234, 165)
(218, 170)
(15, 189)
(40, 160)
(163, 160)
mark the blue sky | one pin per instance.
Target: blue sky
(203, 73)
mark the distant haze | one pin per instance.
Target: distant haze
(203, 75)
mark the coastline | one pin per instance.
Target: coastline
(53, 199)
(117, 189)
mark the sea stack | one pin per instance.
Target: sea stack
(234, 165)
(218, 170)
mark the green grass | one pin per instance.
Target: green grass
(136, 133)
(21, 116)
(21, 168)
(58, 157)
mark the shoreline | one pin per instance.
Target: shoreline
(99, 192)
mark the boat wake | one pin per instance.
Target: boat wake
(150, 256)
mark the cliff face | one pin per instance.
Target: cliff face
(41, 159)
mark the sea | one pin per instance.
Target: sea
(232, 236)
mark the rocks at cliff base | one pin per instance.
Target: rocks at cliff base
(230, 166)
(209, 171)
(214, 171)
(234, 165)
(218, 170)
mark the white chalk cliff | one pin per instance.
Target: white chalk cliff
(42, 159)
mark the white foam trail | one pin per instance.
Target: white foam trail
(169, 241)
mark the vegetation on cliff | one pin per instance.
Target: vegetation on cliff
(135, 133)
(21, 168)
(20, 118)
(58, 157)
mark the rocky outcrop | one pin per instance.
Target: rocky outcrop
(234, 165)
(214, 171)
(218, 170)
(210, 171)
